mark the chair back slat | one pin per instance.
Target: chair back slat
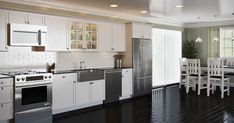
(183, 64)
(193, 66)
(215, 67)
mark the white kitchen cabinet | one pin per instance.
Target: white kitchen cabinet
(119, 37)
(57, 33)
(63, 90)
(105, 36)
(126, 83)
(90, 92)
(98, 90)
(83, 93)
(25, 18)
(6, 99)
(141, 30)
(111, 36)
(6, 111)
(6, 94)
(3, 30)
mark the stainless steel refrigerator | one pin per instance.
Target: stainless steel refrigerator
(142, 66)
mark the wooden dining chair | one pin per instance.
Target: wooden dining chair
(183, 65)
(216, 77)
(194, 74)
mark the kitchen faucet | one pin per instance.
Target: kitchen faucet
(82, 65)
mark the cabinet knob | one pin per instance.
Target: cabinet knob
(112, 48)
(91, 83)
(1, 82)
(64, 77)
(74, 81)
(2, 88)
(28, 22)
(2, 105)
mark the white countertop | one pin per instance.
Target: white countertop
(4, 76)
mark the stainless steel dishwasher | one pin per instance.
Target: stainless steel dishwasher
(113, 85)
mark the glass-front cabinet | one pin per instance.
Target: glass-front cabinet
(83, 35)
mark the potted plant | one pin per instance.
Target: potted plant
(189, 49)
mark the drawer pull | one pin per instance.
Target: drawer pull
(2, 88)
(91, 83)
(2, 105)
(64, 77)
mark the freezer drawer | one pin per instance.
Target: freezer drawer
(142, 86)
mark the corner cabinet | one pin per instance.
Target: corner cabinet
(82, 35)
(57, 33)
(3, 30)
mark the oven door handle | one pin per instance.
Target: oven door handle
(29, 86)
(33, 110)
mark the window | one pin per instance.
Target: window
(227, 42)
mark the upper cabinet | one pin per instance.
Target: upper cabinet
(141, 30)
(57, 33)
(111, 36)
(25, 18)
(3, 30)
(82, 35)
(119, 37)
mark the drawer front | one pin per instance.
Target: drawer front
(6, 82)
(6, 95)
(6, 111)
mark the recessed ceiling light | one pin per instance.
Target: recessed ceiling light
(179, 6)
(144, 12)
(114, 5)
(179, 3)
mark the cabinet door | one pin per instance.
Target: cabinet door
(83, 93)
(98, 90)
(3, 28)
(57, 33)
(119, 38)
(76, 34)
(136, 30)
(6, 111)
(91, 29)
(35, 19)
(6, 94)
(127, 82)
(18, 17)
(146, 31)
(105, 36)
(63, 90)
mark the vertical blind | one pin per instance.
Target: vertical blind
(167, 48)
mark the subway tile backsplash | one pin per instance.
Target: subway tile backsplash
(21, 57)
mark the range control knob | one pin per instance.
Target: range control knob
(45, 77)
(23, 79)
(18, 79)
(49, 76)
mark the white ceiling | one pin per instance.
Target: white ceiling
(158, 9)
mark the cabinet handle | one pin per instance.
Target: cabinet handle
(64, 77)
(28, 22)
(2, 88)
(74, 81)
(112, 48)
(2, 105)
(91, 83)
(2, 83)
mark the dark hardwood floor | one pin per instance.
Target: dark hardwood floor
(166, 105)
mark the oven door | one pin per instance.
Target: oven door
(33, 97)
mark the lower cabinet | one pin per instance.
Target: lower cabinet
(6, 99)
(68, 94)
(90, 92)
(126, 83)
(63, 90)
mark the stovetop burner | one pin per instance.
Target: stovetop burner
(16, 73)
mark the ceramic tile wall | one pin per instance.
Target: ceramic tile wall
(18, 57)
